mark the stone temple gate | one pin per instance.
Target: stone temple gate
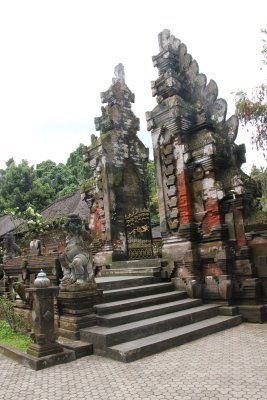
(119, 187)
(204, 199)
(203, 194)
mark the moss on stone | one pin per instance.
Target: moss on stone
(118, 177)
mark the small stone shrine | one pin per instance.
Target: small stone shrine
(119, 187)
(203, 194)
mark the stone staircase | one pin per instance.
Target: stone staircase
(141, 316)
(148, 267)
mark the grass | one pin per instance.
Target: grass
(18, 340)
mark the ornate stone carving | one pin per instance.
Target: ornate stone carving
(200, 183)
(117, 114)
(119, 161)
(11, 249)
(76, 261)
(179, 76)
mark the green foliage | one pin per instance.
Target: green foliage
(19, 340)
(17, 182)
(252, 110)
(260, 175)
(23, 185)
(25, 190)
(17, 322)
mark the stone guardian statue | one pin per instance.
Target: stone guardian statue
(76, 261)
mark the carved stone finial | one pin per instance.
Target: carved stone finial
(117, 115)
(42, 281)
(119, 72)
(164, 39)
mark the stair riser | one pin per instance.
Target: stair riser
(127, 283)
(123, 272)
(164, 345)
(172, 296)
(102, 321)
(151, 329)
(133, 293)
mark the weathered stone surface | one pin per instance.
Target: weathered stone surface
(76, 311)
(118, 159)
(43, 324)
(203, 194)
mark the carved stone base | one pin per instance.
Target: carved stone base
(253, 313)
(43, 350)
(248, 290)
(76, 311)
(217, 288)
(174, 249)
(69, 326)
(191, 285)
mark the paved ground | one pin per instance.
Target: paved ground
(228, 365)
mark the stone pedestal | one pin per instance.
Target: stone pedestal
(45, 348)
(43, 322)
(76, 311)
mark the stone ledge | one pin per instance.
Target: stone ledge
(36, 363)
(80, 348)
(253, 313)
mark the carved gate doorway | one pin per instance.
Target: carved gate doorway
(138, 234)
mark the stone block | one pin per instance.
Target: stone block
(228, 310)
(172, 190)
(168, 160)
(172, 202)
(167, 149)
(170, 180)
(169, 170)
(174, 213)
(253, 313)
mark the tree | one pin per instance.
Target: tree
(260, 175)
(55, 175)
(23, 185)
(76, 165)
(252, 110)
(17, 181)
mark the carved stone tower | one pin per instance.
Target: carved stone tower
(203, 194)
(119, 161)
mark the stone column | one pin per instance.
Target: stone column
(44, 334)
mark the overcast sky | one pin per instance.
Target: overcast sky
(57, 56)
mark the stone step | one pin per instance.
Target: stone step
(144, 263)
(102, 336)
(136, 349)
(137, 291)
(125, 317)
(119, 282)
(143, 301)
(132, 271)
(80, 348)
